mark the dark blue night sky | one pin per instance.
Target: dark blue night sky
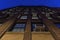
(11, 3)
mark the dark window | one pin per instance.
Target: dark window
(58, 25)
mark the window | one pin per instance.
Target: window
(39, 28)
(23, 17)
(58, 16)
(57, 25)
(48, 16)
(51, 12)
(34, 17)
(34, 14)
(43, 12)
(18, 16)
(33, 27)
(26, 12)
(4, 11)
(18, 28)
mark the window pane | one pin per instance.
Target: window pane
(33, 27)
(34, 14)
(25, 12)
(49, 17)
(20, 25)
(18, 28)
(58, 25)
(23, 17)
(34, 17)
(39, 28)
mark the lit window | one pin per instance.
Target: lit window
(51, 13)
(34, 17)
(34, 14)
(23, 17)
(49, 17)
